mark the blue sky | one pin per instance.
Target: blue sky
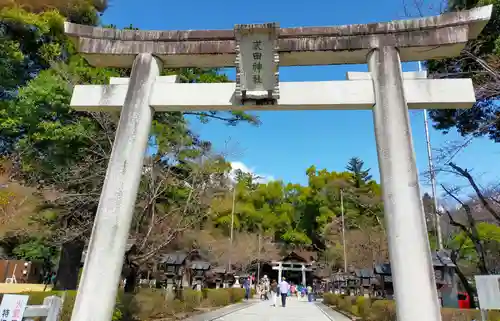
(287, 143)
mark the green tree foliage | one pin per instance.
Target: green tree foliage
(482, 119)
(300, 215)
(35, 250)
(360, 176)
(489, 234)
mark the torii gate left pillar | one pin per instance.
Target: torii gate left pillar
(389, 43)
(104, 262)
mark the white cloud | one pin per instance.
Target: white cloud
(244, 168)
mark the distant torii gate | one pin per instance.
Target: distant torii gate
(257, 51)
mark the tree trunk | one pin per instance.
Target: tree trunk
(69, 265)
(131, 279)
(478, 244)
(468, 288)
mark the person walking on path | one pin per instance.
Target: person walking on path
(284, 287)
(310, 293)
(303, 293)
(267, 287)
(246, 286)
(274, 291)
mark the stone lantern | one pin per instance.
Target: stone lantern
(220, 277)
(171, 270)
(198, 269)
(236, 283)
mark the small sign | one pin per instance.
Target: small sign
(488, 291)
(257, 63)
(12, 307)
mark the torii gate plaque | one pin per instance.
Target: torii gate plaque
(385, 90)
(257, 60)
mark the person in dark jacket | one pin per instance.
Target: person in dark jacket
(274, 291)
(246, 286)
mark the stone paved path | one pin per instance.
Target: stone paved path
(294, 311)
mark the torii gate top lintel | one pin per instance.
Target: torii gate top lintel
(417, 39)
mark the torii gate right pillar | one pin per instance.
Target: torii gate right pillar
(402, 204)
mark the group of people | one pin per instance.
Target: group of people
(283, 289)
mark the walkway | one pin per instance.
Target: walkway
(294, 311)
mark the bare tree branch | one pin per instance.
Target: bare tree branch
(465, 173)
(470, 231)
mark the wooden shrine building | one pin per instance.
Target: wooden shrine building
(297, 267)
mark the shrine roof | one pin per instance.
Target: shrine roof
(219, 269)
(299, 256)
(439, 259)
(200, 265)
(322, 273)
(383, 269)
(364, 273)
(442, 258)
(175, 258)
(417, 39)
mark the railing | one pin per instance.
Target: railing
(50, 310)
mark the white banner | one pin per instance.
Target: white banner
(12, 307)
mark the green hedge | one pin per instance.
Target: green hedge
(150, 303)
(236, 294)
(218, 297)
(385, 310)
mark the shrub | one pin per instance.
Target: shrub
(69, 302)
(192, 299)
(383, 310)
(204, 293)
(345, 304)
(364, 305)
(236, 294)
(146, 303)
(459, 314)
(330, 299)
(218, 298)
(449, 314)
(354, 310)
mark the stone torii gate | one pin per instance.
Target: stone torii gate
(257, 51)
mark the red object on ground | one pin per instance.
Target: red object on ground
(463, 300)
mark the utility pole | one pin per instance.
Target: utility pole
(232, 227)
(258, 260)
(437, 218)
(343, 229)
